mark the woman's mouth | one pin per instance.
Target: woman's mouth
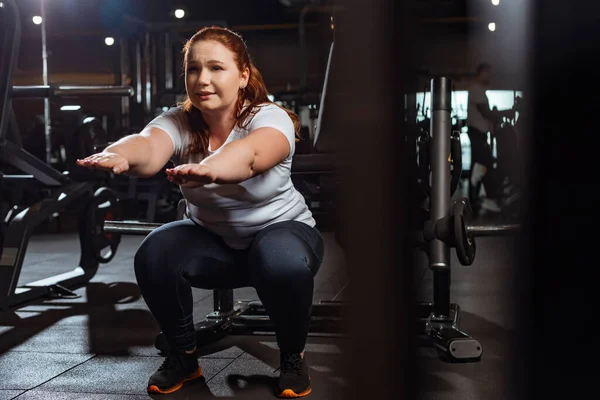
(204, 95)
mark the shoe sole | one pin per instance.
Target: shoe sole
(155, 389)
(290, 394)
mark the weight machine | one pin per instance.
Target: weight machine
(60, 190)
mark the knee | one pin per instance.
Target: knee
(282, 257)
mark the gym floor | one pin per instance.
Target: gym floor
(101, 346)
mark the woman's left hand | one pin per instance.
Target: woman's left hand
(191, 175)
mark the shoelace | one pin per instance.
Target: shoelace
(292, 363)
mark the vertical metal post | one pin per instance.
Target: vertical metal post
(47, 117)
(148, 74)
(168, 61)
(125, 74)
(439, 252)
(223, 301)
(155, 68)
(138, 71)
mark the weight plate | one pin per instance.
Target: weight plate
(465, 245)
(103, 207)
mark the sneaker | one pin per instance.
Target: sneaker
(174, 371)
(490, 205)
(293, 381)
(512, 197)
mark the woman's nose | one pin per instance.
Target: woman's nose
(204, 78)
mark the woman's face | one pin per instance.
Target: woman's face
(212, 78)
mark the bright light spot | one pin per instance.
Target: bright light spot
(70, 108)
(88, 119)
(495, 2)
(165, 109)
(179, 13)
(271, 97)
(109, 41)
(492, 26)
(37, 20)
(1, 4)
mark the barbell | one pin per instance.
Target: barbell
(64, 91)
(456, 230)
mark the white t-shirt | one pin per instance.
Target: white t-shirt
(477, 95)
(237, 212)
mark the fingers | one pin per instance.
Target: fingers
(185, 169)
(105, 161)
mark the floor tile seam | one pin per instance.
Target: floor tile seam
(225, 367)
(56, 376)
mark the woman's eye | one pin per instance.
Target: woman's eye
(192, 69)
(215, 68)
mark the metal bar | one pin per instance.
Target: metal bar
(440, 129)
(168, 61)
(47, 117)
(439, 251)
(47, 91)
(492, 230)
(147, 75)
(126, 79)
(11, 31)
(130, 227)
(21, 159)
(138, 72)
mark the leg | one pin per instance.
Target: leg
(482, 166)
(282, 262)
(171, 260)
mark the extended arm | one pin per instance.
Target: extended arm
(141, 155)
(492, 115)
(237, 161)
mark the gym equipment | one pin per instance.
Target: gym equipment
(455, 160)
(93, 204)
(64, 91)
(448, 226)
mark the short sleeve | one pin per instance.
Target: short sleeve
(173, 122)
(272, 116)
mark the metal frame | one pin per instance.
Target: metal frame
(439, 320)
(17, 238)
(8, 60)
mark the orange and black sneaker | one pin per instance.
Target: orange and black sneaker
(174, 371)
(293, 380)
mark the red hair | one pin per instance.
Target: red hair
(255, 92)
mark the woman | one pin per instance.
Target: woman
(248, 225)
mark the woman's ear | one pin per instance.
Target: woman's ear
(244, 77)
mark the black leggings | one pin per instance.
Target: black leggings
(280, 264)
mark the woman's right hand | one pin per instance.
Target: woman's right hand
(107, 161)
